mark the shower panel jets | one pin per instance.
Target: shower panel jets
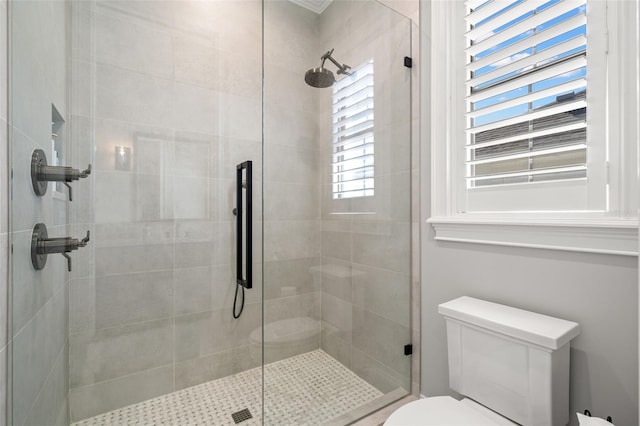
(321, 77)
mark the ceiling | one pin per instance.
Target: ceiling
(317, 6)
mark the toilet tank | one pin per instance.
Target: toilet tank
(512, 361)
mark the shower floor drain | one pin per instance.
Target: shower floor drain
(241, 416)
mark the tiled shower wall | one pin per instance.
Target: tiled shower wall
(38, 332)
(366, 242)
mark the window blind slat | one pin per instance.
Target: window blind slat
(484, 12)
(504, 18)
(353, 176)
(354, 185)
(353, 113)
(550, 170)
(527, 154)
(362, 93)
(528, 61)
(539, 38)
(360, 160)
(364, 148)
(530, 135)
(569, 106)
(541, 94)
(530, 78)
(362, 139)
(352, 82)
(352, 131)
(524, 26)
(341, 170)
(474, 4)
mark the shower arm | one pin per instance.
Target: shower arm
(342, 69)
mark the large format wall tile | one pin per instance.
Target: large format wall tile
(129, 96)
(206, 333)
(87, 401)
(31, 290)
(291, 240)
(135, 258)
(129, 298)
(133, 46)
(382, 338)
(47, 330)
(52, 398)
(291, 276)
(119, 351)
(372, 243)
(382, 292)
(220, 364)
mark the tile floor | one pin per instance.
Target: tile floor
(307, 389)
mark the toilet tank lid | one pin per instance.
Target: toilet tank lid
(538, 329)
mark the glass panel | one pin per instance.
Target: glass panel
(336, 270)
(164, 99)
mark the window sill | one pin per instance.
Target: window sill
(618, 237)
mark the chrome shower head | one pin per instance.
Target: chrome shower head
(319, 77)
(322, 77)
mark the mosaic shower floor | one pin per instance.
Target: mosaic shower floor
(307, 389)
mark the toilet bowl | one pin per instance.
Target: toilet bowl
(445, 411)
(511, 365)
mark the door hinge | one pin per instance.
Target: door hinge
(408, 62)
(408, 349)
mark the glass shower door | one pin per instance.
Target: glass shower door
(163, 99)
(337, 211)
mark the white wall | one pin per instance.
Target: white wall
(598, 291)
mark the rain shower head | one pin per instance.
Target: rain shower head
(321, 77)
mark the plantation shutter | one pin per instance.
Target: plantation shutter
(526, 86)
(353, 150)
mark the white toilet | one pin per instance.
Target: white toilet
(511, 365)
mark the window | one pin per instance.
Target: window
(531, 122)
(526, 108)
(353, 150)
(527, 84)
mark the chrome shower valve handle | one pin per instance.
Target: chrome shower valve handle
(41, 173)
(42, 245)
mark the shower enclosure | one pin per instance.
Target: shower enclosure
(170, 103)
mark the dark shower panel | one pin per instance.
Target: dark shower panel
(244, 279)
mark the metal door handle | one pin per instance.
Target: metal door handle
(244, 278)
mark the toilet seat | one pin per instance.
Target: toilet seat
(444, 411)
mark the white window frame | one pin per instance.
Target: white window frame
(613, 230)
